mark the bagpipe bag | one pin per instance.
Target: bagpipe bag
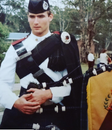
(99, 93)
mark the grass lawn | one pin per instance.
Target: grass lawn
(17, 92)
(17, 80)
(84, 67)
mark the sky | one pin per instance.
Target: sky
(56, 2)
(50, 1)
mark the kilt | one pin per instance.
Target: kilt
(68, 120)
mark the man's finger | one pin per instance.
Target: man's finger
(29, 108)
(32, 104)
(31, 90)
(31, 100)
(27, 95)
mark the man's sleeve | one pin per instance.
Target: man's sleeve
(7, 79)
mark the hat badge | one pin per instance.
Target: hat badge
(45, 5)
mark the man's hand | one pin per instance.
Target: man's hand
(40, 96)
(24, 105)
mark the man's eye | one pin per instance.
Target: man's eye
(32, 16)
(41, 16)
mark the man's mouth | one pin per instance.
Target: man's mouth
(36, 27)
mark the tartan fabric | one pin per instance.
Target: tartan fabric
(83, 110)
(67, 120)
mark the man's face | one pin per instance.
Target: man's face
(39, 23)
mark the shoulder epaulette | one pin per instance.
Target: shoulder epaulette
(18, 41)
(57, 32)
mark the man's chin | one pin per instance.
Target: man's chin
(37, 33)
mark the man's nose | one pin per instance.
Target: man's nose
(36, 20)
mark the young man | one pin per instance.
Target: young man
(42, 62)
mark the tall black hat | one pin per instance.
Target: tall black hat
(38, 6)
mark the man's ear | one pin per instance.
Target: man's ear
(51, 17)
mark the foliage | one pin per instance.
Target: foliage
(3, 35)
(94, 20)
(91, 19)
(59, 22)
(15, 15)
(3, 31)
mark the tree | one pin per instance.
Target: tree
(59, 22)
(91, 13)
(15, 15)
(3, 35)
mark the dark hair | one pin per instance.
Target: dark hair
(103, 51)
(49, 12)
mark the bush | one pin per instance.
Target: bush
(3, 45)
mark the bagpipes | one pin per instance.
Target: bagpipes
(67, 79)
(62, 82)
(99, 70)
(18, 118)
(28, 62)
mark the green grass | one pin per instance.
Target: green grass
(17, 80)
(17, 92)
(84, 67)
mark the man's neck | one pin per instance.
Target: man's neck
(39, 35)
